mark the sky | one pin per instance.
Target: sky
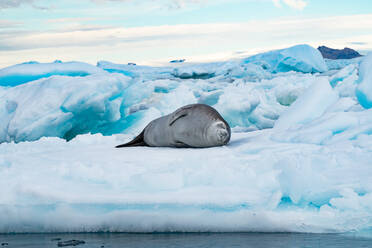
(156, 31)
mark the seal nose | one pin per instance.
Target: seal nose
(222, 135)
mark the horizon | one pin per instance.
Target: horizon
(151, 32)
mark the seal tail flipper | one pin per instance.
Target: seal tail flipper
(137, 141)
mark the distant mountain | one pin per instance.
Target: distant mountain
(330, 53)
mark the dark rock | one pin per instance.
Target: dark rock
(177, 61)
(71, 243)
(4, 244)
(56, 239)
(330, 53)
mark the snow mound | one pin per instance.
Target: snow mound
(26, 72)
(309, 106)
(302, 58)
(364, 89)
(253, 184)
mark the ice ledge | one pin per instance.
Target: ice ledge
(253, 184)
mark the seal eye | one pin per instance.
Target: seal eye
(221, 125)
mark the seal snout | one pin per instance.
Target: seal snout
(222, 132)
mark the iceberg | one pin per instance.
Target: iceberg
(117, 98)
(121, 98)
(343, 75)
(109, 103)
(302, 58)
(203, 71)
(364, 89)
(30, 71)
(299, 159)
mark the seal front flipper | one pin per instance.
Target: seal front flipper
(137, 141)
(180, 144)
(182, 112)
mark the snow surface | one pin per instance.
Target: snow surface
(299, 159)
(253, 184)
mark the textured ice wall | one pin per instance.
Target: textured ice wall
(26, 72)
(364, 89)
(61, 106)
(115, 98)
(137, 71)
(64, 106)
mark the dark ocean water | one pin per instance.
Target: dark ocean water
(182, 240)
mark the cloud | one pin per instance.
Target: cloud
(172, 4)
(357, 43)
(91, 43)
(13, 3)
(277, 3)
(6, 4)
(183, 3)
(9, 24)
(295, 4)
(292, 30)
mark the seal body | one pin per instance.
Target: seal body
(195, 125)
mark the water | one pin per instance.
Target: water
(182, 240)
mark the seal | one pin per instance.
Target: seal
(194, 125)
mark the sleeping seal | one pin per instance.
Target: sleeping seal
(195, 125)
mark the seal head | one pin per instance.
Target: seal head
(219, 133)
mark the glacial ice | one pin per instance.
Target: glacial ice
(116, 97)
(30, 71)
(137, 71)
(299, 159)
(61, 106)
(341, 63)
(302, 58)
(310, 105)
(364, 89)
